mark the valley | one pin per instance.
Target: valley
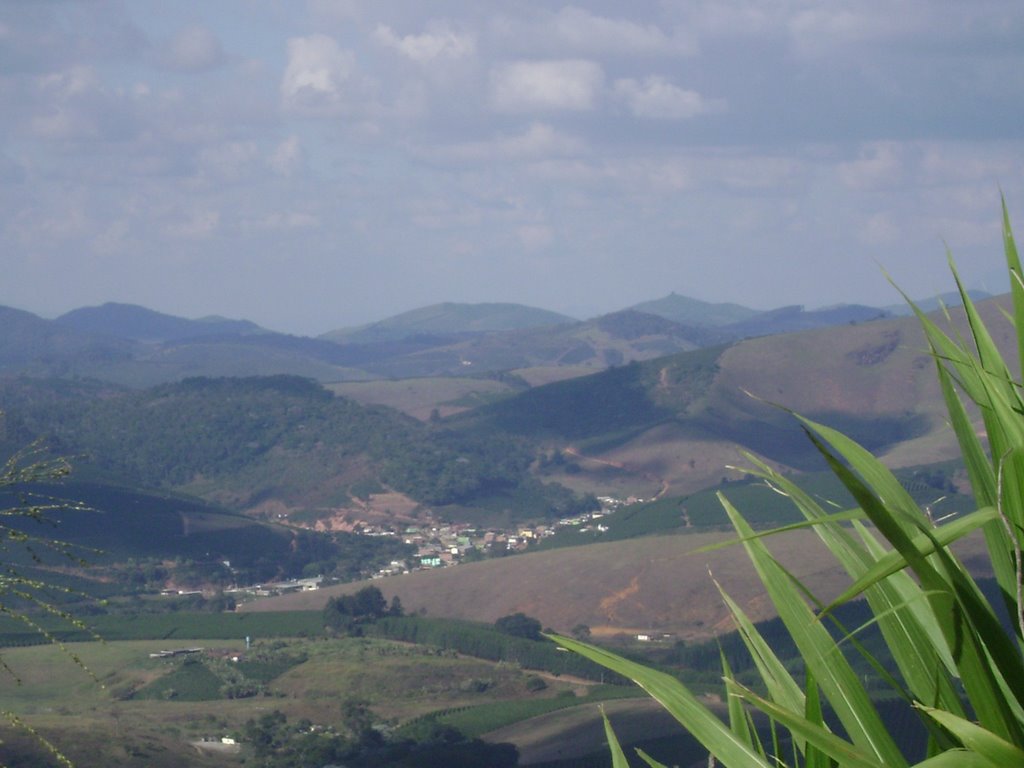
(219, 511)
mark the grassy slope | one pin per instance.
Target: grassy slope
(123, 523)
(668, 427)
(638, 584)
(574, 733)
(97, 728)
(593, 345)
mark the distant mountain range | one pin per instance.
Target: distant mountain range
(669, 424)
(449, 318)
(128, 321)
(687, 311)
(135, 346)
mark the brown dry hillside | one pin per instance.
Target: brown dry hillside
(638, 585)
(626, 586)
(873, 380)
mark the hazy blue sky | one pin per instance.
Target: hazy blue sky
(311, 165)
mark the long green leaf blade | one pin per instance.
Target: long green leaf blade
(840, 684)
(705, 726)
(618, 756)
(977, 739)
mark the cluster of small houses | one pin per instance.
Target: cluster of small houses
(444, 545)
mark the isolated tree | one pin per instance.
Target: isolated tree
(396, 609)
(345, 612)
(581, 632)
(519, 625)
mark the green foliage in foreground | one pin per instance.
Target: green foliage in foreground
(949, 654)
(700, 511)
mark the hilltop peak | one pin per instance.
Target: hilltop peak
(451, 317)
(137, 323)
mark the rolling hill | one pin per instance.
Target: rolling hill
(664, 426)
(273, 445)
(134, 346)
(129, 321)
(29, 344)
(677, 421)
(687, 311)
(659, 584)
(450, 318)
(137, 540)
(583, 346)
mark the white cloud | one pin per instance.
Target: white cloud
(114, 239)
(878, 164)
(880, 229)
(537, 141)
(910, 25)
(286, 221)
(317, 73)
(287, 158)
(198, 225)
(657, 98)
(193, 49)
(535, 236)
(748, 171)
(75, 81)
(229, 162)
(611, 176)
(32, 226)
(442, 214)
(946, 162)
(734, 18)
(582, 30)
(439, 42)
(73, 105)
(526, 86)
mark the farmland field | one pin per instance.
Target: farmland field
(144, 711)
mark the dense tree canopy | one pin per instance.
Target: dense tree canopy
(519, 625)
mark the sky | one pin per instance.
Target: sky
(310, 165)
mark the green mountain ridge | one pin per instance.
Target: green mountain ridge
(668, 424)
(450, 318)
(134, 346)
(130, 321)
(273, 442)
(672, 424)
(689, 311)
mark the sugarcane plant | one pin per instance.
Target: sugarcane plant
(950, 656)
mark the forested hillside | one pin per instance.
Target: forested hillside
(245, 441)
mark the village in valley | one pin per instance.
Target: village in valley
(442, 544)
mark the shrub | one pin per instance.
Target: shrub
(519, 625)
(949, 655)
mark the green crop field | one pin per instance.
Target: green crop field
(170, 627)
(484, 718)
